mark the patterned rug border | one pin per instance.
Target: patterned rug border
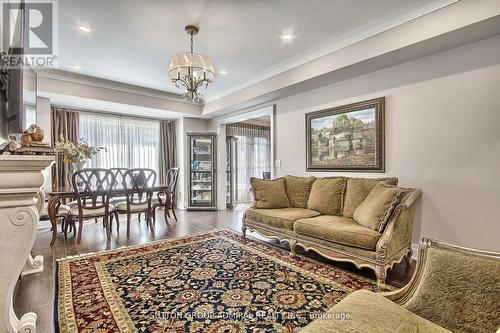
(235, 237)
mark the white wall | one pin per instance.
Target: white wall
(442, 135)
(44, 120)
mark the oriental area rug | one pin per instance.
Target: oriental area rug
(214, 282)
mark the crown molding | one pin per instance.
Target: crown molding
(335, 45)
(62, 75)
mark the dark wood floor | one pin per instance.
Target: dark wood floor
(36, 292)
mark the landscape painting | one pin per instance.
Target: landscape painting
(347, 138)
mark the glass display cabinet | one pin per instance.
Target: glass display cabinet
(202, 171)
(231, 170)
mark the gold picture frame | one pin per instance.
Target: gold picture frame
(347, 138)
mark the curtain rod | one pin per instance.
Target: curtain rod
(114, 114)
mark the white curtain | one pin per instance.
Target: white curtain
(130, 142)
(253, 154)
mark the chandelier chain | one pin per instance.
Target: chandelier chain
(191, 41)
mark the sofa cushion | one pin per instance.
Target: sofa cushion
(269, 193)
(298, 189)
(280, 218)
(326, 195)
(338, 229)
(357, 189)
(365, 311)
(378, 206)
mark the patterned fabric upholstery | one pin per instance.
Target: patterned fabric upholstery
(280, 218)
(269, 193)
(365, 311)
(337, 246)
(326, 195)
(117, 199)
(378, 206)
(90, 212)
(122, 206)
(298, 189)
(63, 209)
(357, 189)
(459, 291)
(338, 229)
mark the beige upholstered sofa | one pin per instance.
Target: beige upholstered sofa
(453, 289)
(364, 221)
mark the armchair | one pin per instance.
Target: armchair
(455, 287)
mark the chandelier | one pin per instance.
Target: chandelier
(191, 70)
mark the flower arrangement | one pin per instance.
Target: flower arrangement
(76, 153)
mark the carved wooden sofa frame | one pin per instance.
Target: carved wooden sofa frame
(393, 245)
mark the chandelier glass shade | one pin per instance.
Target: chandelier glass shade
(191, 70)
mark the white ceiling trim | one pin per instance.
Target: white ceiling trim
(110, 84)
(339, 43)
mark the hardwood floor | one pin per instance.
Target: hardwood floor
(36, 292)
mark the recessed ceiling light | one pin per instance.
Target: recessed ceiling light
(222, 72)
(287, 37)
(84, 29)
(76, 67)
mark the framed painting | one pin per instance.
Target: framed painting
(347, 138)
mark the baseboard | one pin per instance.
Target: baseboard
(414, 249)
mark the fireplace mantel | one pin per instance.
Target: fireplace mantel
(20, 180)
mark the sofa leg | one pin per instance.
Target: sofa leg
(293, 242)
(243, 231)
(381, 274)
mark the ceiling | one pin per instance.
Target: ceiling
(132, 41)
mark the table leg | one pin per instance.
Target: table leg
(52, 210)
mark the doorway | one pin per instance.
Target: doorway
(248, 154)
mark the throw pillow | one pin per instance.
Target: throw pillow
(326, 195)
(376, 209)
(357, 189)
(298, 189)
(269, 193)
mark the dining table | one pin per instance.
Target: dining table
(59, 195)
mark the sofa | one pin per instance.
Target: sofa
(453, 289)
(365, 221)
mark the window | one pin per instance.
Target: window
(130, 142)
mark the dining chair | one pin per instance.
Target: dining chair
(93, 189)
(137, 184)
(119, 173)
(62, 210)
(166, 199)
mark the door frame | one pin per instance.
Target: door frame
(220, 125)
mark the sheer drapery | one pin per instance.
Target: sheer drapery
(167, 149)
(130, 142)
(65, 122)
(253, 153)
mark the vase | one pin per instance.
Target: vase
(73, 167)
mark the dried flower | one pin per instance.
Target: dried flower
(76, 153)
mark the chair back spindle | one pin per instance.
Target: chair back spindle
(118, 173)
(137, 184)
